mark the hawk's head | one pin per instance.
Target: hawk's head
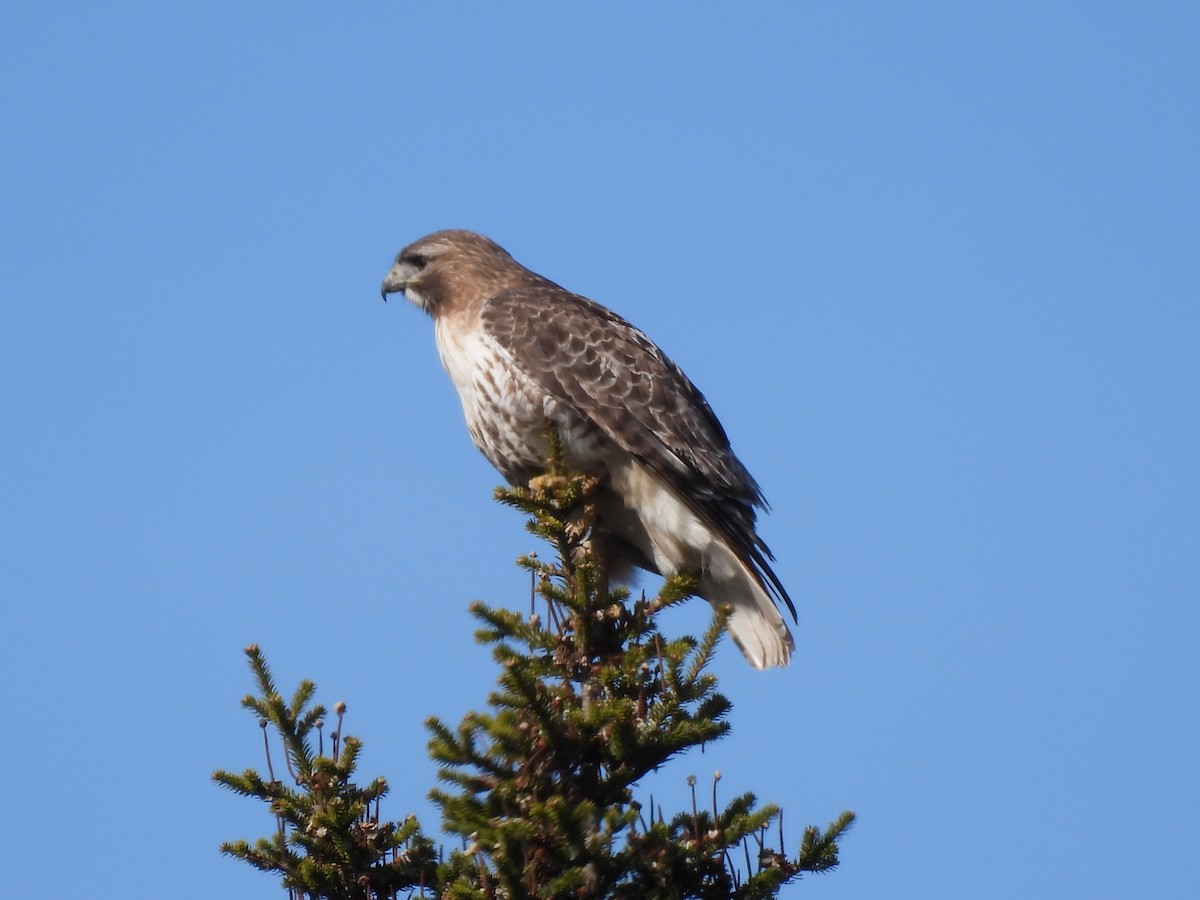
(450, 267)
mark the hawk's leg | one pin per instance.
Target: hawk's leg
(602, 560)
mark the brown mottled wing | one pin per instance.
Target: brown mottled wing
(612, 374)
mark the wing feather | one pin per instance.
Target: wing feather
(612, 374)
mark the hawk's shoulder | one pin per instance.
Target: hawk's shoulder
(585, 353)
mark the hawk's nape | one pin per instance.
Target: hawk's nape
(524, 353)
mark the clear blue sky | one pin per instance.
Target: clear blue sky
(934, 265)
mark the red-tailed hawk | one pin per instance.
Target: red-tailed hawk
(524, 352)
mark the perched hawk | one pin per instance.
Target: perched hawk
(524, 352)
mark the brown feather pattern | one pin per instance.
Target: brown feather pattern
(524, 351)
(616, 378)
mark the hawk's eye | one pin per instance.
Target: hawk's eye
(416, 260)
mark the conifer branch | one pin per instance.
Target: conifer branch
(541, 788)
(330, 841)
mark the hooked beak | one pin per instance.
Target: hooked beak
(401, 276)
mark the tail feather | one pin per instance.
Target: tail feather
(755, 624)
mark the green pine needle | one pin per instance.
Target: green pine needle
(538, 792)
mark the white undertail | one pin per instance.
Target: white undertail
(679, 541)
